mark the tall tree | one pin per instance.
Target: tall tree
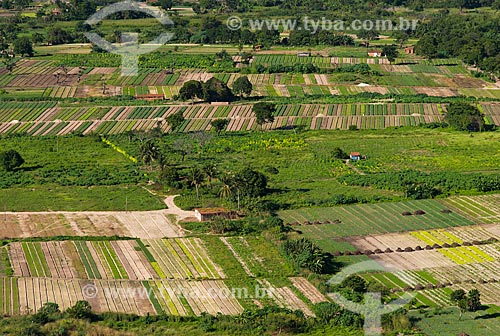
(10, 160)
(166, 4)
(390, 52)
(264, 112)
(242, 86)
(215, 90)
(367, 35)
(23, 46)
(473, 300)
(190, 90)
(219, 125)
(175, 120)
(149, 152)
(464, 117)
(196, 178)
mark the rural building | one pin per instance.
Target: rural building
(410, 50)
(150, 96)
(205, 214)
(375, 53)
(355, 156)
(304, 54)
(56, 11)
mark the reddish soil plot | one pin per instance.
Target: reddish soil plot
(396, 68)
(60, 264)
(43, 225)
(390, 240)
(102, 71)
(285, 297)
(463, 81)
(437, 91)
(9, 226)
(412, 260)
(309, 291)
(134, 261)
(18, 260)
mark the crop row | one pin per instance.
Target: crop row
(23, 111)
(182, 258)
(375, 218)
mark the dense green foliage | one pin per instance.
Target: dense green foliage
(419, 185)
(464, 117)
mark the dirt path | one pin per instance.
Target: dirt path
(355, 169)
(175, 210)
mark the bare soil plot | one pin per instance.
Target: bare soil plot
(150, 225)
(60, 264)
(134, 261)
(436, 91)
(9, 226)
(309, 291)
(412, 260)
(382, 242)
(468, 82)
(43, 225)
(181, 297)
(95, 224)
(121, 296)
(486, 271)
(285, 297)
(141, 224)
(34, 292)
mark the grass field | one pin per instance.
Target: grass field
(445, 322)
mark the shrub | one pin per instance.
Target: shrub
(406, 213)
(388, 250)
(409, 249)
(428, 247)
(419, 212)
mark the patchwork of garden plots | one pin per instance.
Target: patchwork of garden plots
(175, 276)
(482, 209)
(49, 119)
(366, 219)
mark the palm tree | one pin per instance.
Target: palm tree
(149, 152)
(226, 192)
(196, 177)
(210, 171)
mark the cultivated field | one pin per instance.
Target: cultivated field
(369, 219)
(53, 120)
(139, 224)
